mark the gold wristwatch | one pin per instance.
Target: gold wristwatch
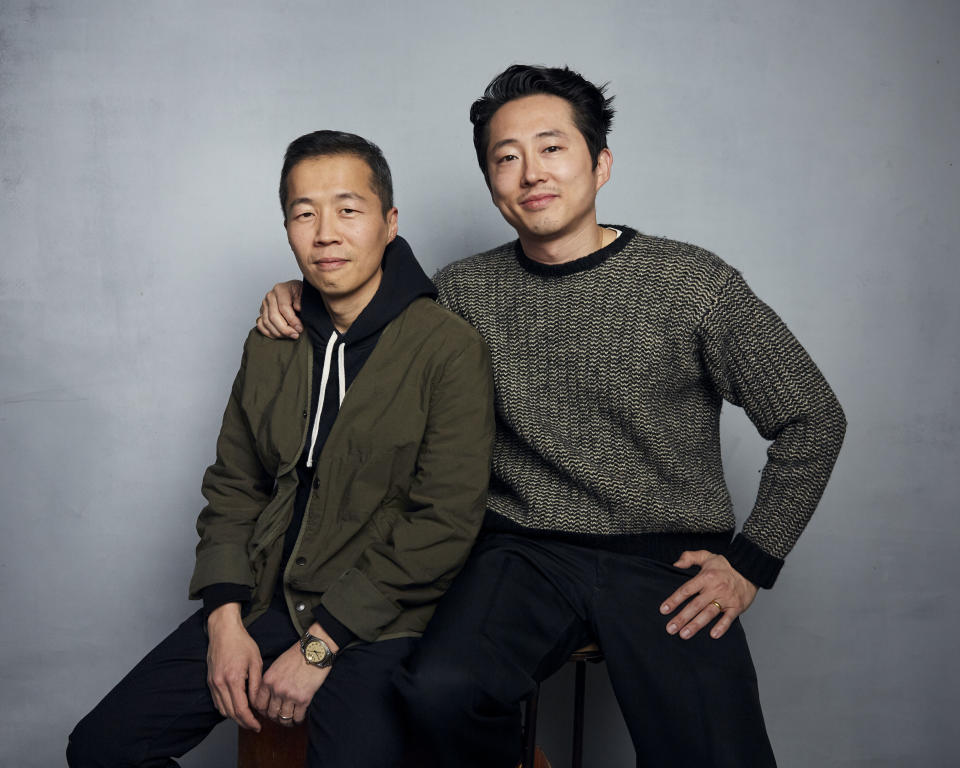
(316, 652)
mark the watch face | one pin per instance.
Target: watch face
(315, 652)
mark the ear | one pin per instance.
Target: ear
(604, 165)
(392, 224)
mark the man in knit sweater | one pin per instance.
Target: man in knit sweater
(608, 517)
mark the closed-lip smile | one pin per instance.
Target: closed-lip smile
(535, 202)
(329, 262)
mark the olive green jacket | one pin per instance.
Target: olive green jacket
(399, 490)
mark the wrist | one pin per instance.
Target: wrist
(318, 631)
(226, 615)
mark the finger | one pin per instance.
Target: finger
(277, 316)
(241, 706)
(285, 305)
(691, 558)
(254, 680)
(217, 701)
(690, 610)
(683, 593)
(269, 316)
(299, 715)
(703, 617)
(723, 624)
(261, 702)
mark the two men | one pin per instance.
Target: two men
(348, 488)
(608, 516)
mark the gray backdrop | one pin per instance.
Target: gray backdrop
(813, 145)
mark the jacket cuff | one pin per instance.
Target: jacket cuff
(359, 605)
(221, 564)
(220, 594)
(752, 562)
(340, 634)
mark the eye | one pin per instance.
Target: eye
(303, 215)
(349, 211)
(505, 158)
(552, 148)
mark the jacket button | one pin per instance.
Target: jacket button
(301, 561)
(316, 484)
(304, 414)
(301, 607)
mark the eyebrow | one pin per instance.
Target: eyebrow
(541, 135)
(339, 196)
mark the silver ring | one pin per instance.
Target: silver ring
(284, 717)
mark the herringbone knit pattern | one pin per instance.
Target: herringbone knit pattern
(610, 373)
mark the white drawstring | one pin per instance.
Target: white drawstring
(343, 375)
(323, 390)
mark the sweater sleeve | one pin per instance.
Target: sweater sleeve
(754, 362)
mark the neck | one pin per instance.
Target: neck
(343, 310)
(565, 247)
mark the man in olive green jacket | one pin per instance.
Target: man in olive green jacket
(348, 488)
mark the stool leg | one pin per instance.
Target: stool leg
(530, 728)
(577, 759)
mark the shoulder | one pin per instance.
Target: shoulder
(265, 361)
(678, 257)
(426, 317)
(476, 268)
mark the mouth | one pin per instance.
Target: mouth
(327, 264)
(537, 202)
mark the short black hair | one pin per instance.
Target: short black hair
(592, 110)
(326, 143)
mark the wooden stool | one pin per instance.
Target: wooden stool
(276, 746)
(594, 655)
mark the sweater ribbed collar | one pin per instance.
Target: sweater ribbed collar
(589, 261)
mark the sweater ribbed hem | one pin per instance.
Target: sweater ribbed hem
(752, 562)
(662, 547)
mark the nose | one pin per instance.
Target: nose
(533, 170)
(327, 232)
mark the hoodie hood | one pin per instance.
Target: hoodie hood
(403, 280)
(337, 357)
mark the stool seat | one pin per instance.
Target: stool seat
(276, 746)
(532, 757)
(591, 653)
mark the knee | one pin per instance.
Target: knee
(435, 694)
(88, 746)
(82, 748)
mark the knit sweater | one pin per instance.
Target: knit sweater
(610, 372)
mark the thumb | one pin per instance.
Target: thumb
(691, 558)
(254, 677)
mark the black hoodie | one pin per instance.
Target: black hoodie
(337, 359)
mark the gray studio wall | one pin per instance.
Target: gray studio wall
(813, 145)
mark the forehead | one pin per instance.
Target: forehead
(329, 175)
(530, 115)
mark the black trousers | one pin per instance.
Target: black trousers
(517, 611)
(163, 708)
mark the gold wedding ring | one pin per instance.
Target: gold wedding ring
(719, 607)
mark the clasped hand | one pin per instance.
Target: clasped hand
(717, 590)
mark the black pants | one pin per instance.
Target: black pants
(163, 708)
(517, 611)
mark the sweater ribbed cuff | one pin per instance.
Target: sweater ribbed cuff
(220, 594)
(752, 562)
(340, 634)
